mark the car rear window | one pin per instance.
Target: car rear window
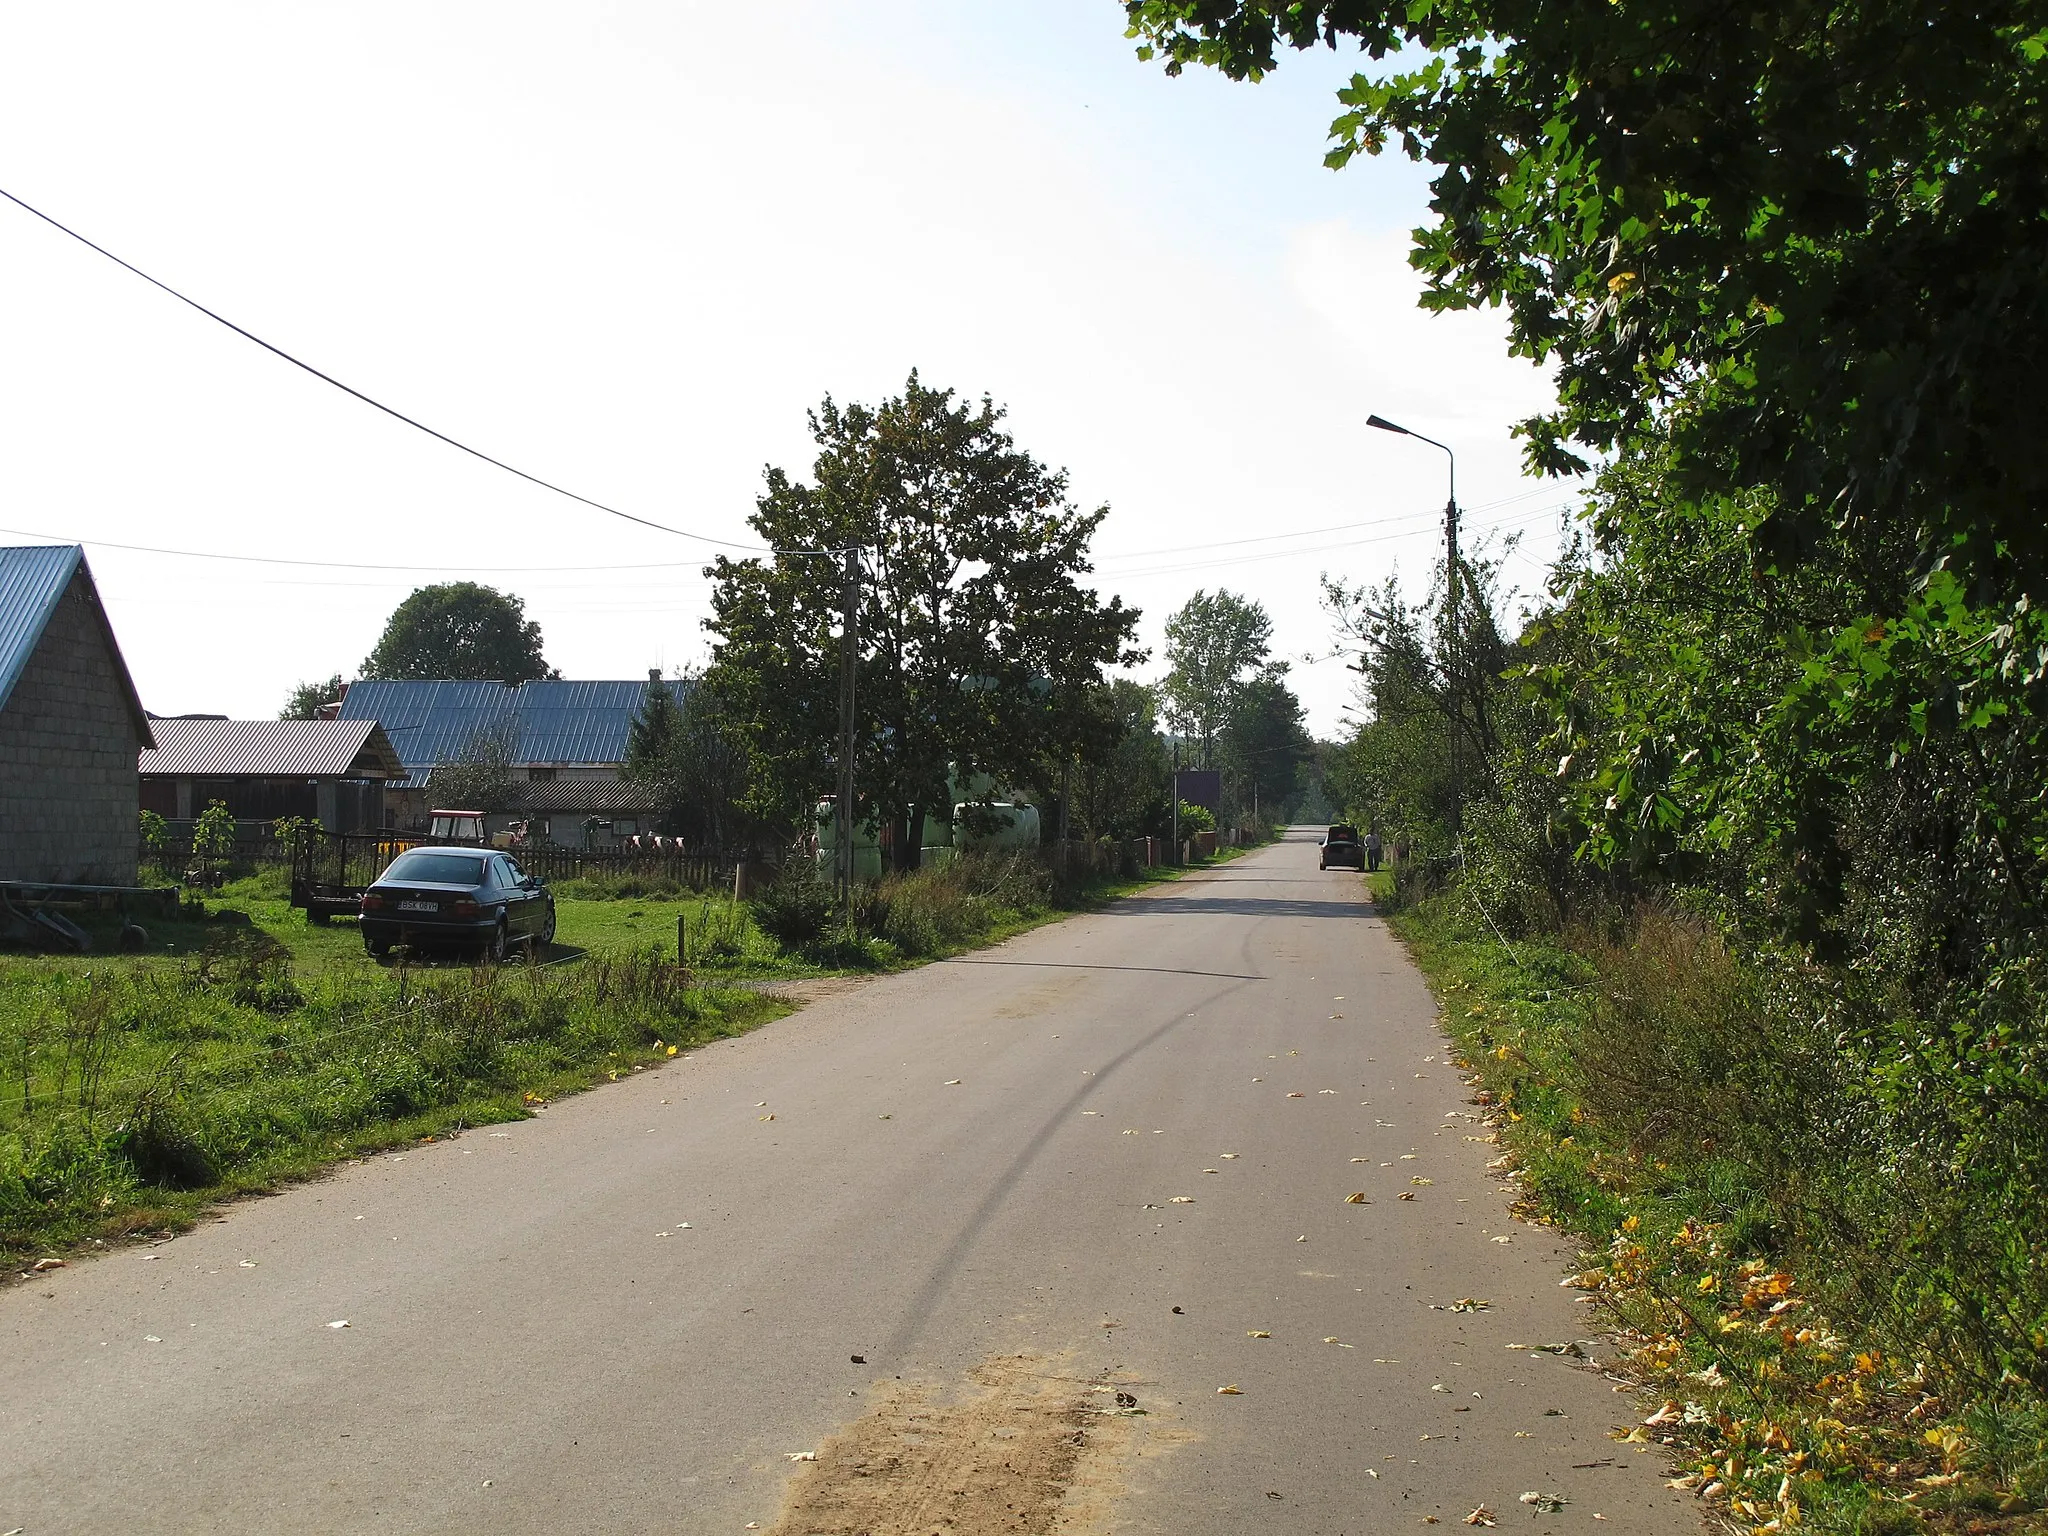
(1343, 834)
(435, 869)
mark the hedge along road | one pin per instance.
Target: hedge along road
(1111, 1156)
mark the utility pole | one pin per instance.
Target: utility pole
(1451, 632)
(1176, 800)
(849, 654)
(1451, 649)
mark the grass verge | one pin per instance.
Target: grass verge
(1801, 1387)
(248, 1048)
(142, 1093)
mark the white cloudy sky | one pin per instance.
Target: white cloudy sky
(626, 244)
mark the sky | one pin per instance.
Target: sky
(626, 245)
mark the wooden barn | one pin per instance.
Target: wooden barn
(329, 771)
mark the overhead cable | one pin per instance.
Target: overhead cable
(328, 378)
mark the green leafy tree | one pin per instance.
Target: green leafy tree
(1803, 244)
(1262, 747)
(155, 834)
(307, 699)
(1121, 789)
(1214, 646)
(294, 834)
(481, 776)
(213, 841)
(976, 637)
(1426, 682)
(683, 748)
(460, 630)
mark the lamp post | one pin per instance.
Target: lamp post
(1451, 603)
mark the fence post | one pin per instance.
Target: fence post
(683, 939)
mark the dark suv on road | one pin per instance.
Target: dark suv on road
(1341, 846)
(473, 898)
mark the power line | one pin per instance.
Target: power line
(328, 378)
(1269, 538)
(550, 485)
(349, 565)
(1518, 520)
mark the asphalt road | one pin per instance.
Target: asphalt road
(1008, 1153)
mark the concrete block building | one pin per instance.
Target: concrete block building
(70, 726)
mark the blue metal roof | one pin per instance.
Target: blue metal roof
(32, 579)
(431, 723)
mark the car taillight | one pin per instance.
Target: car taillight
(372, 901)
(462, 906)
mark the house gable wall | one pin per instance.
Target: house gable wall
(68, 784)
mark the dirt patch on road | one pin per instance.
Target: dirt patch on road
(1022, 1449)
(807, 989)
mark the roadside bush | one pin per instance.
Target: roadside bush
(1901, 1163)
(797, 908)
(931, 910)
(719, 936)
(163, 1147)
(1831, 1259)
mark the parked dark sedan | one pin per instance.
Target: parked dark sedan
(1341, 846)
(469, 897)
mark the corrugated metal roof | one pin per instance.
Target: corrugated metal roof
(32, 579)
(583, 796)
(279, 749)
(431, 723)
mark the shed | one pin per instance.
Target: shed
(329, 771)
(70, 726)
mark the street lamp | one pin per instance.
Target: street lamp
(1451, 602)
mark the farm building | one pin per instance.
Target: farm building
(329, 771)
(70, 726)
(560, 745)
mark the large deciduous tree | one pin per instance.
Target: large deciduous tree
(682, 747)
(308, 699)
(976, 638)
(1215, 644)
(1121, 789)
(1262, 747)
(1805, 245)
(460, 630)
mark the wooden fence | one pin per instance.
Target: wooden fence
(331, 869)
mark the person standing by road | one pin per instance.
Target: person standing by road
(1372, 851)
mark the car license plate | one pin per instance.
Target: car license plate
(419, 906)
